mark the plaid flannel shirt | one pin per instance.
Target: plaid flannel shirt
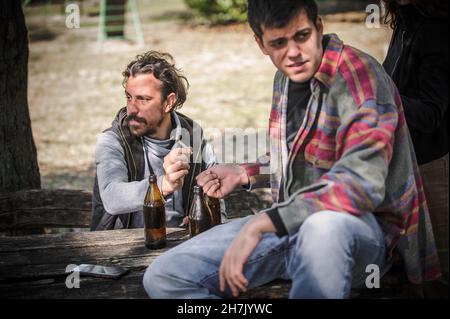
(352, 154)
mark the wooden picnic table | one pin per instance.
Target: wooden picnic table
(34, 266)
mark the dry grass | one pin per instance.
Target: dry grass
(75, 84)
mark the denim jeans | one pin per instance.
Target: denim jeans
(327, 256)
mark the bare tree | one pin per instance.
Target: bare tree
(18, 159)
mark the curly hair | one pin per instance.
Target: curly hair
(162, 66)
(428, 8)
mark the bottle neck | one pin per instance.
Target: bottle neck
(153, 196)
(198, 208)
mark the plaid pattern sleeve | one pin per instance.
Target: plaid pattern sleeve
(258, 173)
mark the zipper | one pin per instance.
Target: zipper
(194, 172)
(135, 170)
(401, 51)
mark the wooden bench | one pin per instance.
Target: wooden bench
(43, 211)
(35, 210)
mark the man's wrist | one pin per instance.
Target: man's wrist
(262, 224)
(244, 180)
(164, 191)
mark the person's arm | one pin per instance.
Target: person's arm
(231, 272)
(258, 173)
(220, 180)
(356, 182)
(118, 195)
(425, 112)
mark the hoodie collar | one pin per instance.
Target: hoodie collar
(175, 134)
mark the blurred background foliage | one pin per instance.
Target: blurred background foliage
(231, 11)
(220, 11)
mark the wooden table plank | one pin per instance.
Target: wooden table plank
(45, 208)
(40, 260)
(84, 239)
(129, 286)
(34, 266)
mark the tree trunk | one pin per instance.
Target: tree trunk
(18, 159)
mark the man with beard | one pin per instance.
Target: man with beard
(148, 136)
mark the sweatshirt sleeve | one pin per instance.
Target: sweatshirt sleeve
(118, 195)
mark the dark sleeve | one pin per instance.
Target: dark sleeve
(425, 112)
(278, 223)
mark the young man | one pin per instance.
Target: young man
(344, 177)
(145, 137)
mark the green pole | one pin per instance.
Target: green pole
(101, 25)
(137, 22)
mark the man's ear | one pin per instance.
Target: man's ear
(261, 45)
(319, 26)
(170, 102)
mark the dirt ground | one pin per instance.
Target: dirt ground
(75, 82)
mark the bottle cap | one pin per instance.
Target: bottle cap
(197, 190)
(152, 178)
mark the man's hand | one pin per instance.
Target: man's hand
(176, 167)
(220, 180)
(232, 267)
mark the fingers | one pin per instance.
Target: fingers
(222, 276)
(235, 278)
(179, 157)
(214, 189)
(203, 177)
(180, 165)
(177, 154)
(225, 280)
(203, 180)
(175, 177)
(231, 275)
(181, 152)
(238, 279)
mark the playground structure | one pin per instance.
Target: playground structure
(114, 16)
(112, 20)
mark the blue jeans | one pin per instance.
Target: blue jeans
(327, 256)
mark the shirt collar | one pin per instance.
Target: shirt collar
(330, 59)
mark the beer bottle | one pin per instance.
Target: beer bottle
(214, 207)
(200, 218)
(154, 216)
